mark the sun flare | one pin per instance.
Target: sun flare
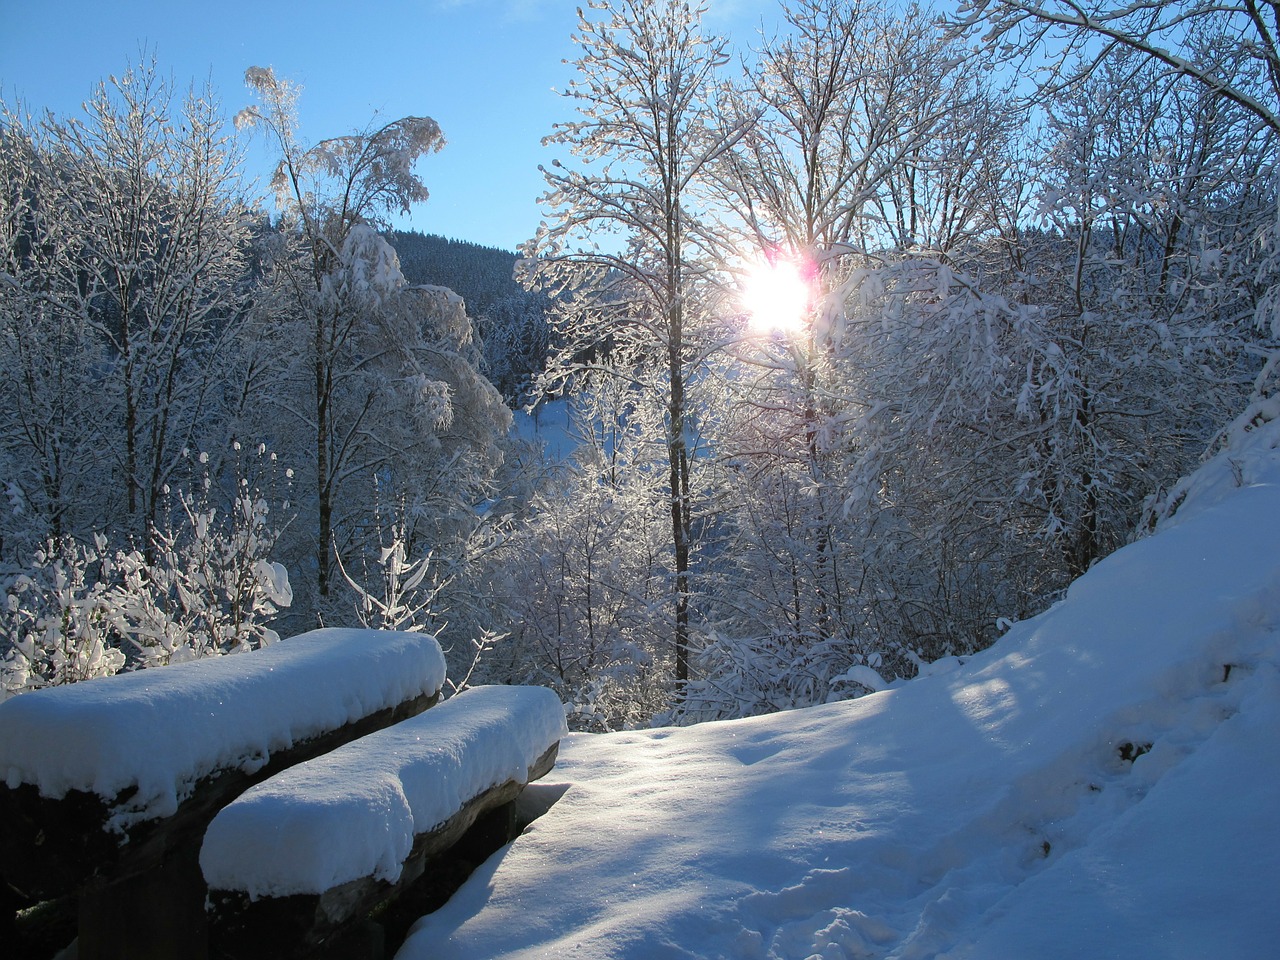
(776, 296)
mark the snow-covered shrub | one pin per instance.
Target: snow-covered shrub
(1242, 455)
(397, 596)
(749, 676)
(203, 586)
(396, 593)
(210, 587)
(56, 622)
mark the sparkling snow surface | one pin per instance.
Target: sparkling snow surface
(354, 812)
(164, 728)
(988, 811)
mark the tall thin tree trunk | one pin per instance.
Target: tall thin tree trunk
(679, 496)
(323, 487)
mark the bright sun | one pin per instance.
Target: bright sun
(776, 296)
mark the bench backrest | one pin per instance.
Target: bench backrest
(102, 777)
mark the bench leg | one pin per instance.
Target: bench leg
(10, 903)
(158, 915)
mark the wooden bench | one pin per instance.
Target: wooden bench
(298, 860)
(107, 786)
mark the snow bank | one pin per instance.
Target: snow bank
(354, 812)
(163, 729)
(1103, 782)
(1191, 871)
(1248, 457)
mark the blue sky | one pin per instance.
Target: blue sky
(486, 70)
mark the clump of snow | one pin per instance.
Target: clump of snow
(1102, 782)
(354, 812)
(370, 267)
(274, 579)
(864, 676)
(163, 730)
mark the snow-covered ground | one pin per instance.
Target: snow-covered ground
(551, 426)
(1104, 782)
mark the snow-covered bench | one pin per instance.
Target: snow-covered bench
(299, 857)
(106, 786)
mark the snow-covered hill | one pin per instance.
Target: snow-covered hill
(1104, 782)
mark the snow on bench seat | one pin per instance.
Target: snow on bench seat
(322, 842)
(355, 812)
(95, 765)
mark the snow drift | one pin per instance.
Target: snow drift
(1103, 782)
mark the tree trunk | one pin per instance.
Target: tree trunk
(678, 459)
(324, 503)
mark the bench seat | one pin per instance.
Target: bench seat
(320, 844)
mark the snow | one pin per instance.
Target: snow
(1103, 782)
(105, 736)
(354, 812)
(274, 578)
(551, 427)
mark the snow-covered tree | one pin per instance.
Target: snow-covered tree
(587, 586)
(386, 387)
(1153, 196)
(850, 115)
(325, 191)
(1000, 369)
(622, 249)
(1079, 37)
(873, 139)
(1227, 52)
(125, 248)
(55, 431)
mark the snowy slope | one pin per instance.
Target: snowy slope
(550, 428)
(1009, 808)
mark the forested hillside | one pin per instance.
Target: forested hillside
(511, 320)
(480, 275)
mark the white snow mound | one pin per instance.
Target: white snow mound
(163, 729)
(354, 812)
